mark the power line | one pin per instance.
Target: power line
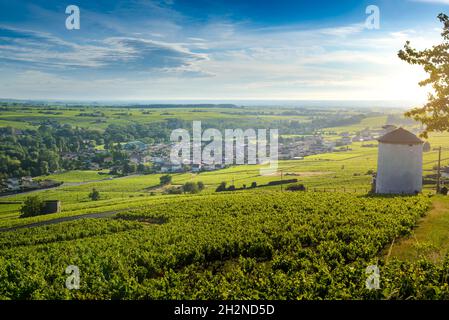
(433, 161)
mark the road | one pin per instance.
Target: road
(63, 219)
(65, 184)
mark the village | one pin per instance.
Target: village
(136, 157)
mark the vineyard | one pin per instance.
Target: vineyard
(224, 157)
(272, 245)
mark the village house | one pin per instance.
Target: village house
(27, 182)
(69, 156)
(13, 184)
(93, 166)
(108, 159)
(138, 158)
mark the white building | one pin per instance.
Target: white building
(399, 164)
(13, 184)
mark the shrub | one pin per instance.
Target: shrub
(444, 190)
(279, 182)
(174, 190)
(221, 187)
(32, 206)
(94, 195)
(296, 187)
(165, 179)
(190, 187)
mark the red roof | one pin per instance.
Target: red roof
(400, 136)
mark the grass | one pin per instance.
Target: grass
(370, 122)
(430, 239)
(339, 170)
(333, 170)
(20, 118)
(77, 176)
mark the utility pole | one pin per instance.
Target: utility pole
(439, 170)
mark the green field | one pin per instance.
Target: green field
(340, 171)
(276, 246)
(29, 117)
(257, 243)
(78, 176)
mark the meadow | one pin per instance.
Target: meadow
(98, 118)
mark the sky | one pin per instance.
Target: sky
(166, 50)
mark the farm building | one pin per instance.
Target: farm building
(52, 206)
(399, 164)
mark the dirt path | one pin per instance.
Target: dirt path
(430, 239)
(28, 192)
(63, 219)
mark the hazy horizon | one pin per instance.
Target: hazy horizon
(401, 104)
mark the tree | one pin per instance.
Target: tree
(435, 62)
(32, 206)
(165, 179)
(190, 187)
(44, 168)
(174, 190)
(221, 187)
(129, 167)
(94, 195)
(141, 168)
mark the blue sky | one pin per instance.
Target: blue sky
(213, 50)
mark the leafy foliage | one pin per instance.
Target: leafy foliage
(222, 246)
(94, 195)
(221, 187)
(435, 62)
(296, 187)
(33, 206)
(193, 187)
(165, 179)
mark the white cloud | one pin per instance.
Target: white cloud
(42, 51)
(225, 60)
